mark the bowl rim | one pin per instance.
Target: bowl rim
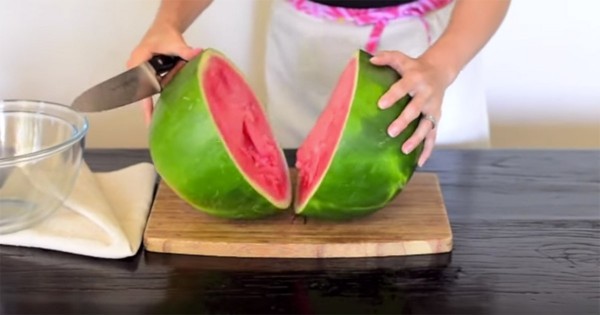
(80, 133)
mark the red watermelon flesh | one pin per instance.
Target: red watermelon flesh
(349, 166)
(245, 130)
(316, 152)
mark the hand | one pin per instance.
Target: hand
(426, 83)
(159, 40)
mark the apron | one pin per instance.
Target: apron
(377, 17)
(309, 44)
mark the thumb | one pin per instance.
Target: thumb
(187, 52)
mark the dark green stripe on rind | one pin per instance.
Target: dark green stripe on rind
(368, 168)
(190, 155)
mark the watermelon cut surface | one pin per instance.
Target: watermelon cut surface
(348, 166)
(212, 144)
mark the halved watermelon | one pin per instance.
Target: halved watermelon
(210, 141)
(349, 166)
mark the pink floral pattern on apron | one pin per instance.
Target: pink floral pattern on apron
(378, 17)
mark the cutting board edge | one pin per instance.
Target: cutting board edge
(296, 250)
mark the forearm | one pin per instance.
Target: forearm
(179, 14)
(472, 24)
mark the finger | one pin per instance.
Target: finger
(394, 59)
(417, 137)
(148, 107)
(188, 53)
(410, 113)
(397, 91)
(137, 57)
(180, 49)
(427, 148)
(183, 51)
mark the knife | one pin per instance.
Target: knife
(133, 85)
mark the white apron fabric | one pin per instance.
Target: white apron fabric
(306, 55)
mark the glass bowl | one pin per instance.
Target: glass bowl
(41, 149)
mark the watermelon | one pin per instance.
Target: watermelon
(211, 143)
(348, 166)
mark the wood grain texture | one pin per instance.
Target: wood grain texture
(414, 223)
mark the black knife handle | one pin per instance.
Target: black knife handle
(163, 63)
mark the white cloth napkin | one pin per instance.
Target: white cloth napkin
(104, 216)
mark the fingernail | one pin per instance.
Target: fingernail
(393, 131)
(407, 148)
(383, 103)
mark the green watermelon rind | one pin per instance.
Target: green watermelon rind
(205, 176)
(368, 169)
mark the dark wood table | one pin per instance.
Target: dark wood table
(526, 241)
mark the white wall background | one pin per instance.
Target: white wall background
(543, 75)
(542, 68)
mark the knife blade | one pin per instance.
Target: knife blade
(128, 87)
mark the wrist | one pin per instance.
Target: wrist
(448, 54)
(179, 14)
(446, 67)
(166, 23)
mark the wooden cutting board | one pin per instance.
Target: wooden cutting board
(414, 223)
